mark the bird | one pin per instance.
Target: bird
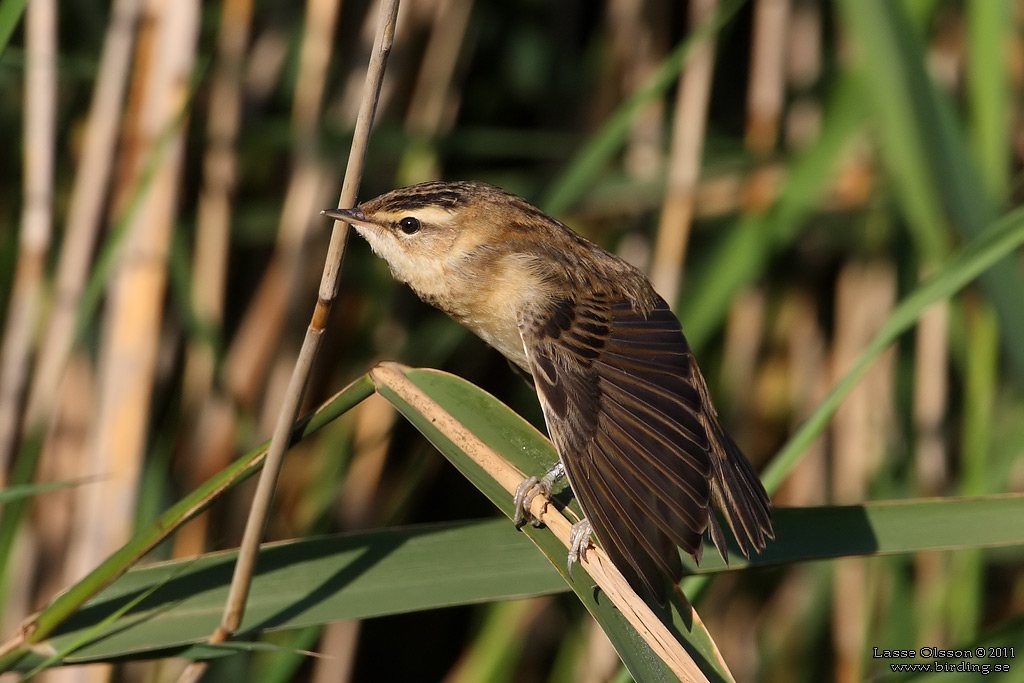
(626, 406)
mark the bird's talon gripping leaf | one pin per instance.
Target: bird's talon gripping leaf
(530, 488)
(579, 542)
(525, 492)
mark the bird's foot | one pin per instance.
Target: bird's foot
(529, 488)
(579, 542)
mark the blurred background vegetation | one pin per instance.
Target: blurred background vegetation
(786, 170)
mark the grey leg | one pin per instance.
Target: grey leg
(530, 487)
(579, 541)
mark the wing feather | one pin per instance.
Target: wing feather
(629, 414)
(639, 530)
(638, 567)
(682, 526)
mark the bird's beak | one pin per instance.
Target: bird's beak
(352, 216)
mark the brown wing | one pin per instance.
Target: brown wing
(628, 412)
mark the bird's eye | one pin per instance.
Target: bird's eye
(409, 225)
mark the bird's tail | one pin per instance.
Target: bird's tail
(738, 494)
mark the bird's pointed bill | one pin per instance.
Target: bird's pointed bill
(351, 216)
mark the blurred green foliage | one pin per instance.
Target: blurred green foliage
(550, 100)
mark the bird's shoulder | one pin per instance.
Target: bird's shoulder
(586, 347)
(623, 403)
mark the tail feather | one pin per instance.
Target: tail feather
(738, 494)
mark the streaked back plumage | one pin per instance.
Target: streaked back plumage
(624, 401)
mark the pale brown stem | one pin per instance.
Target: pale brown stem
(338, 644)
(356, 509)
(767, 74)
(256, 522)
(131, 331)
(27, 291)
(691, 113)
(258, 338)
(931, 389)
(744, 334)
(36, 217)
(208, 417)
(638, 32)
(213, 219)
(865, 295)
(434, 98)
(85, 209)
(808, 380)
(803, 68)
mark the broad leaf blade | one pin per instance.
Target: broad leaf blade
(313, 581)
(507, 433)
(392, 571)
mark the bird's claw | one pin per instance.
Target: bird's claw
(525, 493)
(579, 542)
(529, 489)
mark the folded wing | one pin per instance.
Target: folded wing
(628, 412)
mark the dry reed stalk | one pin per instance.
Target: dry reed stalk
(281, 369)
(932, 577)
(864, 297)
(213, 219)
(767, 74)
(256, 523)
(687, 146)
(252, 352)
(62, 460)
(865, 294)
(208, 445)
(371, 439)
(345, 108)
(23, 567)
(639, 37)
(806, 381)
(435, 99)
(24, 306)
(339, 638)
(786, 643)
(736, 626)
(314, 58)
(258, 340)
(360, 489)
(744, 332)
(803, 68)
(130, 145)
(135, 295)
(931, 392)
(601, 662)
(265, 62)
(258, 336)
(62, 387)
(26, 297)
(807, 484)
(249, 356)
(85, 210)
(207, 415)
(803, 44)
(850, 617)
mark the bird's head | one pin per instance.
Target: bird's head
(435, 234)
